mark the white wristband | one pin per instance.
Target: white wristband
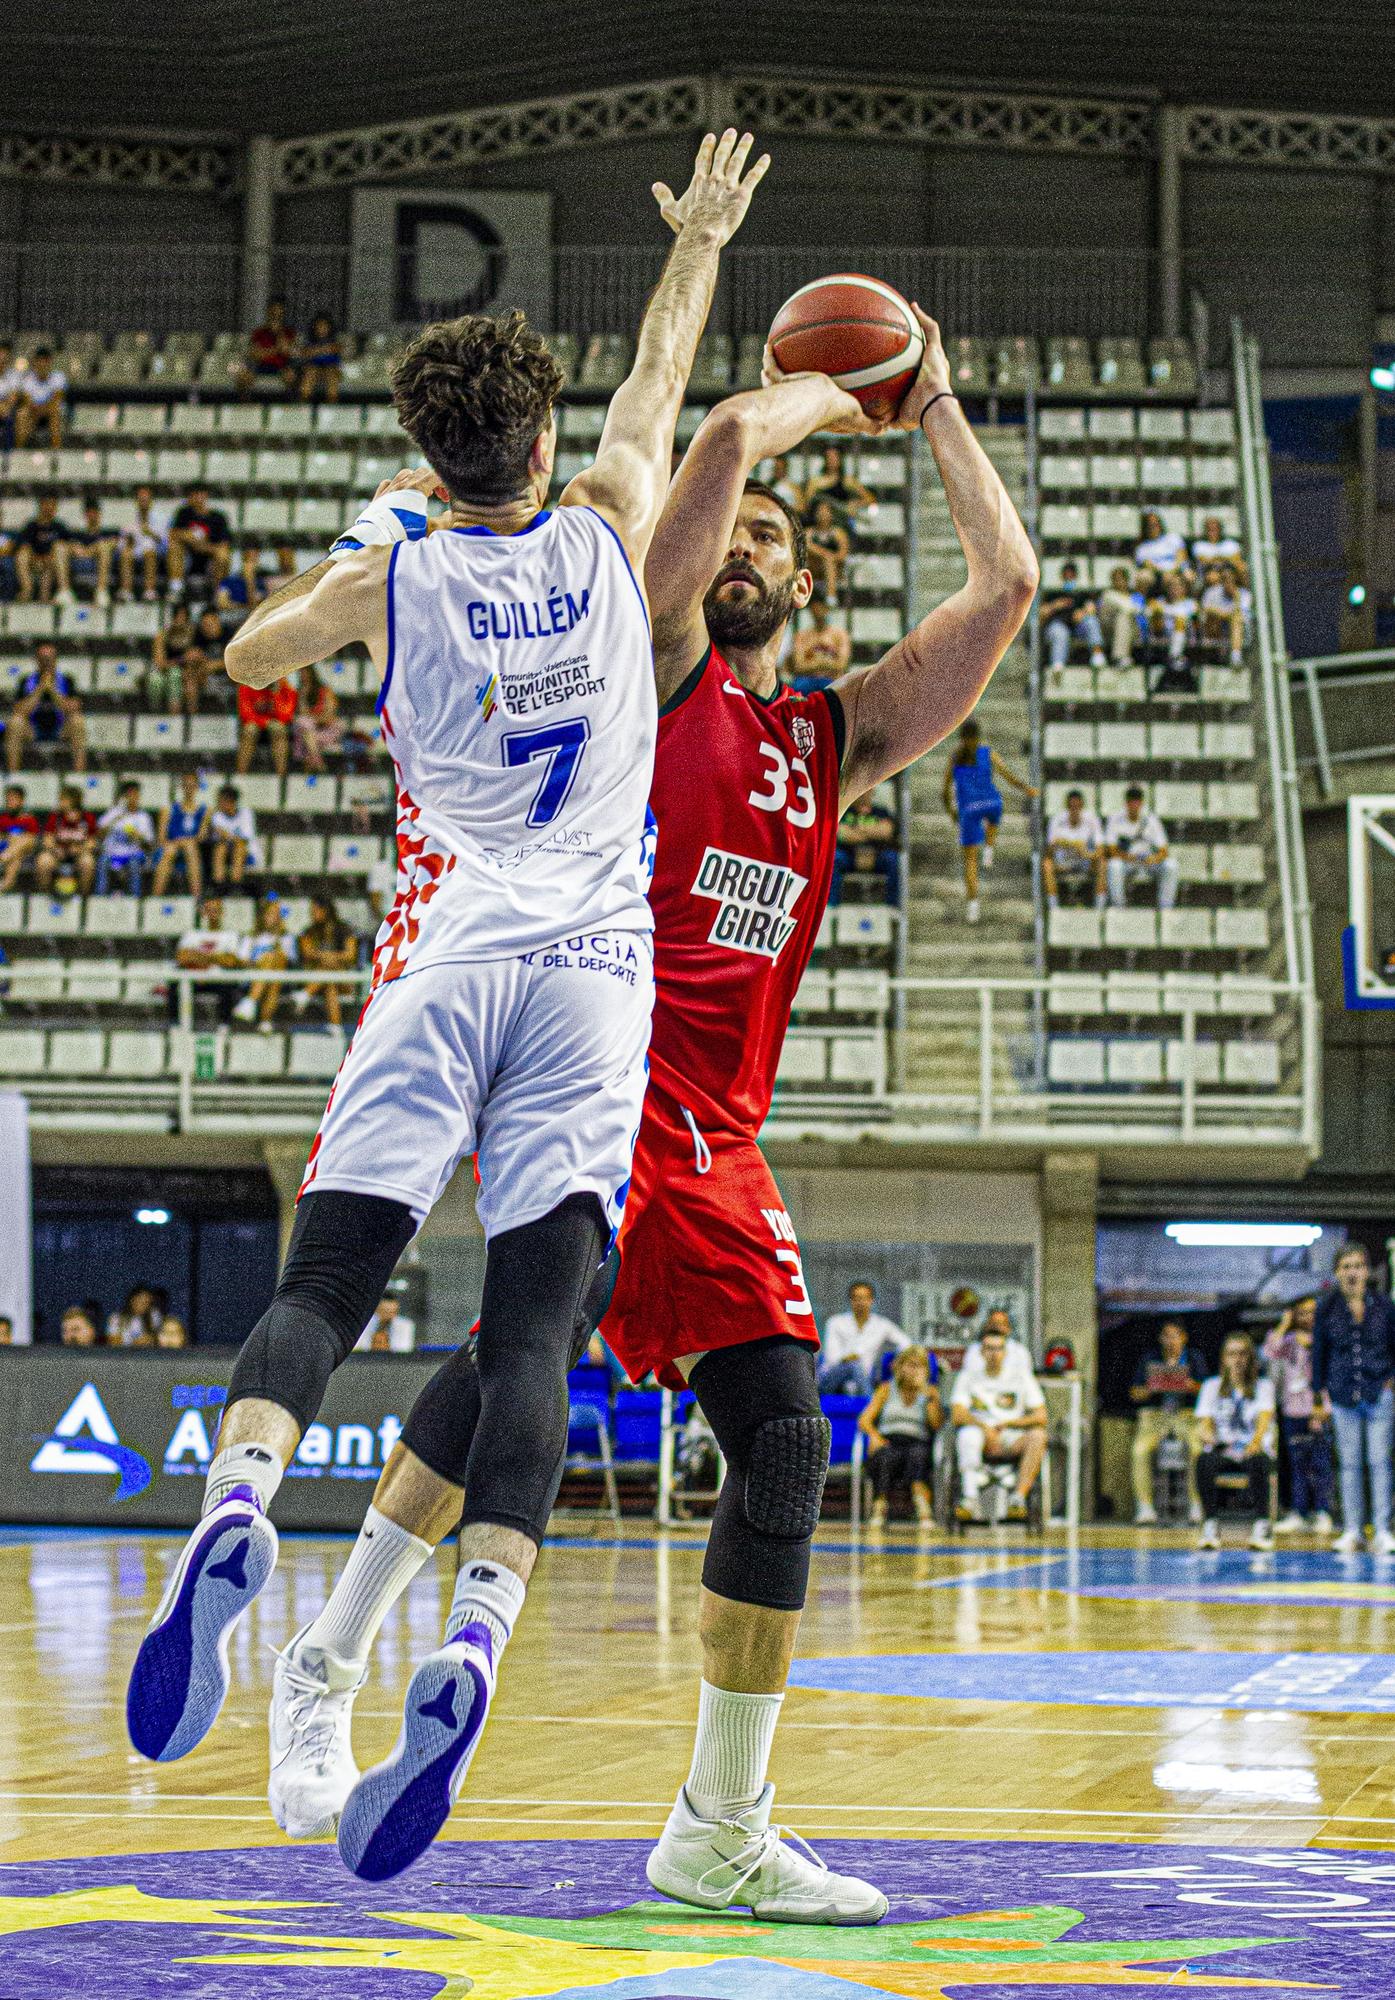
(399, 516)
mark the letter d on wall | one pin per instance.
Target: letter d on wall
(16, 1221)
(430, 253)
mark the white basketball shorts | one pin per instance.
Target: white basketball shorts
(538, 1064)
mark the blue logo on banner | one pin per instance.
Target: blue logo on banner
(85, 1440)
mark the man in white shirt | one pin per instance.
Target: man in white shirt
(42, 390)
(208, 945)
(1074, 852)
(999, 1416)
(127, 834)
(389, 1331)
(1136, 840)
(854, 1341)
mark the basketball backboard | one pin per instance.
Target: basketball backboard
(1368, 943)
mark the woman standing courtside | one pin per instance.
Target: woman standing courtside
(1353, 1370)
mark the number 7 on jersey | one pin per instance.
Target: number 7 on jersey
(560, 745)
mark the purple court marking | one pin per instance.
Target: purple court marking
(1017, 1908)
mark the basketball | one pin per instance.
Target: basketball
(856, 329)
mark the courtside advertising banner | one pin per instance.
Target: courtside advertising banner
(16, 1222)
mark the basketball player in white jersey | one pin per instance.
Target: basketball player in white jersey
(512, 981)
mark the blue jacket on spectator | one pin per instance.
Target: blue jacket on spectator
(1353, 1362)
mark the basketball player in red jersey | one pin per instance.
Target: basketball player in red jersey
(749, 784)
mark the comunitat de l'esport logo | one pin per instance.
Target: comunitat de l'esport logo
(85, 1440)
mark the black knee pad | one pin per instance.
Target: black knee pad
(441, 1425)
(786, 1467)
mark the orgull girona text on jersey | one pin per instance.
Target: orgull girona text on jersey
(754, 901)
(517, 618)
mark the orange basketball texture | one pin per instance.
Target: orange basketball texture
(855, 329)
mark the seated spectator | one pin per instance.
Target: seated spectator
(19, 837)
(270, 351)
(269, 949)
(1213, 544)
(164, 680)
(269, 712)
(145, 544)
(126, 836)
(180, 832)
(1121, 616)
(41, 394)
(1068, 612)
(46, 711)
(1136, 845)
(1159, 548)
(1073, 853)
(232, 836)
(867, 845)
(41, 556)
(171, 1333)
(67, 860)
(835, 483)
(998, 1321)
(389, 1331)
(1304, 1422)
(247, 586)
(782, 484)
(697, 1462)
(200, 545)
(136, 1323)
(1225, 610)
(1235, 1417)
(973, 801)
(900, 1424)
(326, 945)
(999, 1415)
(854, 1342)
(209, 946)
(828, 545)
(1171, 625)
(91, 553)
(11, 386)
(1164, 1392)
(317, 728)
(321, 359)
(77, 1328)
(821, 650)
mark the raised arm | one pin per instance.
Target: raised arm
(629, 478)
(930, 680)
(695, 529)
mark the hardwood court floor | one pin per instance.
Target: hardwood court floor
(1114, 1693)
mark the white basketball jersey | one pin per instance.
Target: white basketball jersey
(519, 709)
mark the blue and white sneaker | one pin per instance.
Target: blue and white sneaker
(180, 1678)
(396, 1810)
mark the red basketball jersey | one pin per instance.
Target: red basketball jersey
(746, 797)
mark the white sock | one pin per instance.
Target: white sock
(381, 1564)
(487, 1594)
(731, 1751)
(253, 1465)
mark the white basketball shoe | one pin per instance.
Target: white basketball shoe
(746, 1863)
(312, 1758)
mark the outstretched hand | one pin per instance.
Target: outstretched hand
(845, 416)
(717, 197)
(932, 377)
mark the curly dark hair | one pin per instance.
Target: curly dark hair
(474, 393)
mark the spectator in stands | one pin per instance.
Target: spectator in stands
(317, 728)
(999, 1415)
(138, 1320)
(1213, 544)
(46, 711)
(244, 588)
(165, 685)
(232, 835)
(270, 351)
(180, 832)
(171, 1333)
(998, 1321)
(1304, 1422)
(1354, 1373)
(1171, 626)
(77, 1328)
(269, 949)
(1225, 610)
(1159, 548)
(1164, 1392)
(867, 845)
(854, 1342)
(11, 384)
(973, 800)
(326, 945)
(834, 482)
(828, 545)
(19, 837)
(268, 712)
(67, 860)
(821, 650)
(321, 360)
(42, 390)
(145, 544)
(126, 835)
(41, 556)
(780, 482)
(1136, 842)
(1235, 1416)
(1068, 612)
(9, 580)
(389, 1331)
(210, 945)
(900, 1424)
(1073, 853)
(200, 545)
(91, 553)
(1122, 610)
